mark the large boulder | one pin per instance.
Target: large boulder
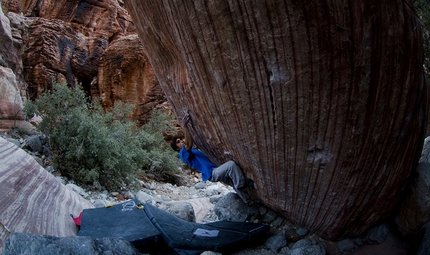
(32, 200)
(11, 102)
(322, 103)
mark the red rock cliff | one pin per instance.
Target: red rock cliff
(322, 103)
(93, 43)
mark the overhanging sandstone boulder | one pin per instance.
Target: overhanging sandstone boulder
(32, 200)
(322, 103)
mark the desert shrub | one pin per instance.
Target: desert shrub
(162, 161)
(90, 145)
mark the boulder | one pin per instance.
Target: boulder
(315, 102)
(19, 243)
(182, 209)
(10, 97)
(231, 208)
(276, 242)
(33, 201)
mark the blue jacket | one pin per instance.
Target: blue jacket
(199, 161)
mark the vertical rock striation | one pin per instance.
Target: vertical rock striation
(322, 103)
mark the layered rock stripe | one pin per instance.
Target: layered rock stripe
(322, 103)
(32, 200)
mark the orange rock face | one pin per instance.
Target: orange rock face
(71, 41)
(316, 101)
(126, 75)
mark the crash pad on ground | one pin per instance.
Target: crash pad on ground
(153, 230)
(194, 238)
(127, 221)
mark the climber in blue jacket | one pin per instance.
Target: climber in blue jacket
(228, 173)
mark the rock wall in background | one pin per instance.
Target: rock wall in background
(322, 103)
(77, 42)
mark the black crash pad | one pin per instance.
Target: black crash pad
(193, 238)
(127, 221)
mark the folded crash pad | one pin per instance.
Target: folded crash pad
(127, 221)
(193, 238)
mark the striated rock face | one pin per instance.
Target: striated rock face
(72, 41)
(32, 200)
(322, 103)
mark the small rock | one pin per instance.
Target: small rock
(346, 245)
(100, 203)
(378, 234)
(211, 253)
(215, 199)
(291, 235)
(34, 143)
(302, 231)
(212, 190)
(78, 190)
(358, 241)
(275, 243)
(50, 169)
(278, 222)
(270, 216)
(200, 185)
(312, 249)
(46, 151)
(301, 243)
(14, 133)
(144, 197)
(128, 195)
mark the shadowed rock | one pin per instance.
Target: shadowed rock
(322, 103)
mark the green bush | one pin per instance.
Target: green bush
(89, 145)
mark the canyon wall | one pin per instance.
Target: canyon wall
(322, 103)
(92, 43)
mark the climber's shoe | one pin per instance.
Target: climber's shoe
(248, 184)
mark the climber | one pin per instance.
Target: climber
(228, 173)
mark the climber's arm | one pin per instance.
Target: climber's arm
(186, 120)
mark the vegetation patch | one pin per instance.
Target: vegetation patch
(92, 146)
